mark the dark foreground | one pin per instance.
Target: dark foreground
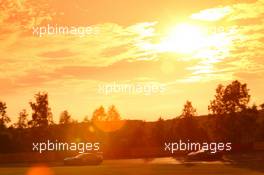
(160, 166)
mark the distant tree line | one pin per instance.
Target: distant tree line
(42, 115)
(230, 119)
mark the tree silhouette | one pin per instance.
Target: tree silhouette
(230, 99)
(41, 115)
(4, 119)
(188, 110)
(112, 114)
(159, 132)
(217, 105)
(262, 106)
(86, 119)
(22, 120)
(65, 118)
(188, 127)
(109, 121)
(99, 114)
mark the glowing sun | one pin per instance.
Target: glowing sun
(193, 40)
(184, 38)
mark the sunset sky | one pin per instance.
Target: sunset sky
(189, 46)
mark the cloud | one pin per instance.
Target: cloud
(114, 51)
(246, 51)
(58, 54)
(213, 14)
(63, 56)
(23, 14)
(27, 59)
(71, 67)
(247, 10)
(237, 11)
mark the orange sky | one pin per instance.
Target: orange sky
(188, 46)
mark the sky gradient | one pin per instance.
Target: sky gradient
(188, 46)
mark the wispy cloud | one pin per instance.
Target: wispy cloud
(73, 66)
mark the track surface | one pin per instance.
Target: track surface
(158, 166)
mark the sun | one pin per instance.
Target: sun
(192, 40)
(183, 38)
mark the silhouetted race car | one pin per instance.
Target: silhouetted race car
(84, 159)
(203, 155)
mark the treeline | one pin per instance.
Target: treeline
(230, 119)
(42, 116)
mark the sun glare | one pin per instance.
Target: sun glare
(184, 38)
(192, 40)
